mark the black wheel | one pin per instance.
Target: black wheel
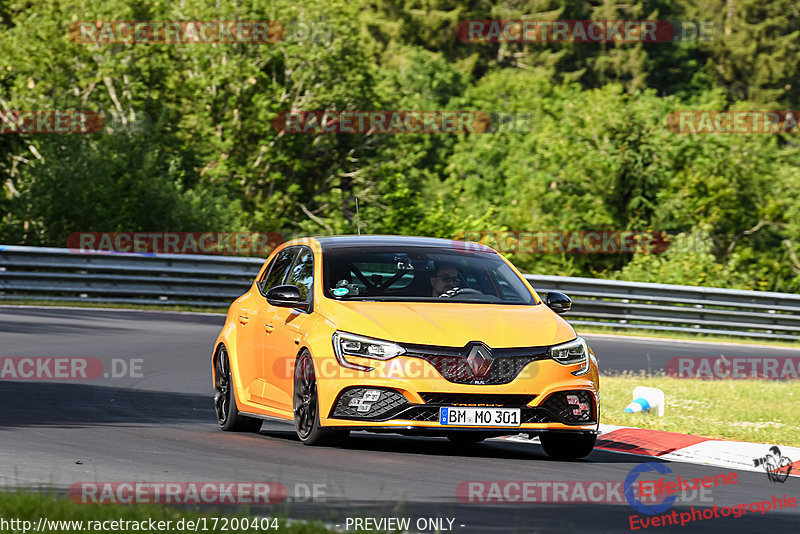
(567, 446)
(306, 406)
(466, 438)
(228, 415)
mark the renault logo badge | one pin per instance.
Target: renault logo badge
(480, 360)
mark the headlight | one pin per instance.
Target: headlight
(364, 347)
(572, 352)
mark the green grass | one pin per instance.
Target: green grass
(761, 411)
(31, 506)
(683, 336)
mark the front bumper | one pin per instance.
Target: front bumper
(548, 396)
(567, 409)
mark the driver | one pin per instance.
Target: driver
(444, 279)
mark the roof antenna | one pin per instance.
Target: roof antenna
(358, 221)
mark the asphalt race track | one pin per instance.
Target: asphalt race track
(159, 425)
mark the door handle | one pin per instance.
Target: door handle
(268, 328)
(243, 319)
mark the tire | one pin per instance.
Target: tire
(567, 446)
(228, 416)
(466, 438)
(306, 406)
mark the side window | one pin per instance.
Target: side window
(277, 270)
(302, 273)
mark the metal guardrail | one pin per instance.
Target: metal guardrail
(674, 308)
(55, 274)
(58, 274)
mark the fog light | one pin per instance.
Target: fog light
(364, 403)
(372, 395)
(582, 407)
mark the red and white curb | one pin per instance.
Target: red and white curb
(686, 448)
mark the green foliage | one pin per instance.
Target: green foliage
(688, 260)
(757, 54)
(189, 142)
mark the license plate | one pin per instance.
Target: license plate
(479, 416)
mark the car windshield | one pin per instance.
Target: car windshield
(421, 274)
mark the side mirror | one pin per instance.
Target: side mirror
(286, 297)
(558, 302)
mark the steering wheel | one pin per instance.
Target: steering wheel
(459, 291)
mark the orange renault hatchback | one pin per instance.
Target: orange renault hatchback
(406, 335)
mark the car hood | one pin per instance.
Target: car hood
(452, 324)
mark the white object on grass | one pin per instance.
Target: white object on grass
(646, 399)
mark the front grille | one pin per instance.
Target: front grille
(420, 413)
(389, 402)
(452, 364)
(535, 415)
(458, 370)
(430, 413)
(477, 399)
(565, 411)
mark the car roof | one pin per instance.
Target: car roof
(358, 241)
